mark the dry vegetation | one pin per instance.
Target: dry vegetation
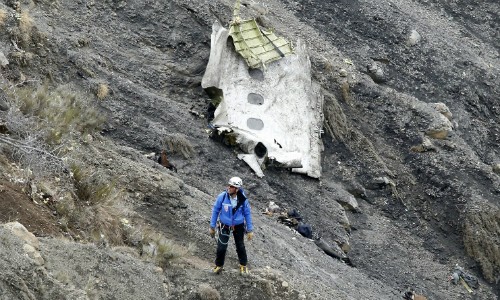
(178, 143)
(26, 38)
(94, 211)
(25, 27)
(162, 250)
(482, 241)
(64, 114)
(336, 123)
(102, 91)
(206, 292)
(44, 124)
(151, 244)
(346, 93)
(327, 65)
(3, 17)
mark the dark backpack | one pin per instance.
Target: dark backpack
(293, 213)
(305, 230)
(471, 280)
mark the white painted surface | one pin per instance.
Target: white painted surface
(290, 118)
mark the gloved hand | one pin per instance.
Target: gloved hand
(250, 236)
(211, 231)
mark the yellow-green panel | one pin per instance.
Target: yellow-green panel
(254, 43)
(268, 47)
(256, 48)
(249, 26)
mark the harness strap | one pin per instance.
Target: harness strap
(221, 226)
(231, 228)
(240, 202)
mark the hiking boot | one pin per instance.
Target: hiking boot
(217, 270)
(243, 270)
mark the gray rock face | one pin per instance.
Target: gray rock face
(42, 268)
(3, 60)
(3, 101)
(496, 168)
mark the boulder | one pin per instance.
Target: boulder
(33, 254)
(343, 197)
(424, 146)
(3, 60)
(414, 38)
(443, 109)
(19, 230)
(376, 72)
(439, 128)
(496, 168)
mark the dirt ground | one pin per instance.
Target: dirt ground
(16, 205)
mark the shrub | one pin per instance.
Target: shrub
(327, 65)
(26, 37)
(346, 93)
(104, 225)
(482, 240)
(25, 27)
(93, 208)
(22, 58)
(206, 292)
(102, 91)
(336, 123)
(25, 144)
(62, 113)
(167, 250)
(154, 245)
(3, 17)
(178, 143)
(89, 188)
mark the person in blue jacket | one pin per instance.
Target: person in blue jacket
(232, 209)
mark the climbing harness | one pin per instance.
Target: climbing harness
(220, 226)
(220, 232)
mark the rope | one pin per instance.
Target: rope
(219, 233)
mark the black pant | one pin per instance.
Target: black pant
(239, 235)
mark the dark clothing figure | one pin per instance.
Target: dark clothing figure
(163, 160)
(224, 235)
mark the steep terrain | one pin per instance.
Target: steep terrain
(412, 130)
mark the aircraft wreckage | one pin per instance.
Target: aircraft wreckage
(265, 99)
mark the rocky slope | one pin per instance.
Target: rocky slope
(412, 131)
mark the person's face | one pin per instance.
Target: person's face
(232, 190)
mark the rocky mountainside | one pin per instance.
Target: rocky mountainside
(410, 183)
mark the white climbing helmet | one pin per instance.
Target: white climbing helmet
(235, 181)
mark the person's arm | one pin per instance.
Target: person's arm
(215, 211)
(247, 212)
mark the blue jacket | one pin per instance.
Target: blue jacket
(224, 211)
